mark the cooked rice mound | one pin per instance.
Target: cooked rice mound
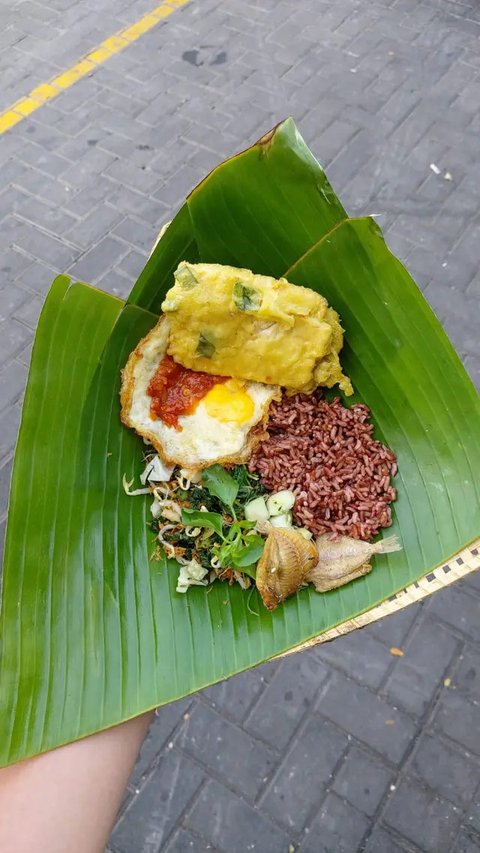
(327, 455)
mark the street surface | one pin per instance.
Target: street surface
(346, 747)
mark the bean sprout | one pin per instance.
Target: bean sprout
(193, 531)
(215, 563)
(184, 482)
(132, 492)
(161, 492)
(171, 510)
(167, 546)
(166, 528)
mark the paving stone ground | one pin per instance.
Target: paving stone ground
(345, 747)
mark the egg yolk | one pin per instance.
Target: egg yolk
(229, 402)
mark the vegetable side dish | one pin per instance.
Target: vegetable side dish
(255, 477)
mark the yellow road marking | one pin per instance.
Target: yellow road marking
(114, 44)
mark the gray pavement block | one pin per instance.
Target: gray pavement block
(12, 170)
(185, 842)
(459, 719)
(299, 786)
(450, 772)
(13, 232)
(283, 703)
(337, 827)
(140, 154)
(25, 356)
(426, 269)
(95, 225)
(52, 218)
(49, 138)
(12, 296)
(368, 717)
(351, 158)
(11, 199)
(127, 106)
(116, 283)
(9, 422)
(77, 147)
(88, 199)
(159, 805)
(457, 272)
(462, 330)
(45, 247)
(399, 105)
(29, 312)
(359, 655)
(473, 816)
(467, 842)
(46, 161)
(453, 217)
(434, 191)
(414, 225)
(12, 383)
(430, 822)
(175, 155)
(472, 364)
(381, 841)
(362, 780)
(333, 138)
(179, 186)
(14, 336)
(379, 91)
(37, 277)
(225, 750)
(164, 722)
(98, 260)
(57, 192)
(142, 205)
(230, 824)
(236, 696)
(203, 161)
(134, 176)
(459, 609)
(5, 475)
(467, 676)
(133, 263)
(89, 168)
(136, 233)
(12, 264)
(392, 630)
(419, 674)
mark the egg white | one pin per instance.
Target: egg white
(203, 440)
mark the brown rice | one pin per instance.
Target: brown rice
(326, 454)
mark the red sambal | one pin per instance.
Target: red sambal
(176, 390)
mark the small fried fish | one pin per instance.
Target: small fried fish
(342, 559)
(281, 570)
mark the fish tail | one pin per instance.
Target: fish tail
(386, 546)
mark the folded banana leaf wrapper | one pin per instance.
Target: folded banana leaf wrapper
(92, 630)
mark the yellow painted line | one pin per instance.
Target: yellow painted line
(8, 119)
(109, 47)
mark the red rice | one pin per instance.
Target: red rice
(325, 453)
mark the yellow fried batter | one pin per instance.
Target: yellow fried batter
(231, 322)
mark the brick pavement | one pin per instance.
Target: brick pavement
(344, 747)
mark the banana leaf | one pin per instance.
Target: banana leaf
(92, 630)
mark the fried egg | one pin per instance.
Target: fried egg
(224, 427)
